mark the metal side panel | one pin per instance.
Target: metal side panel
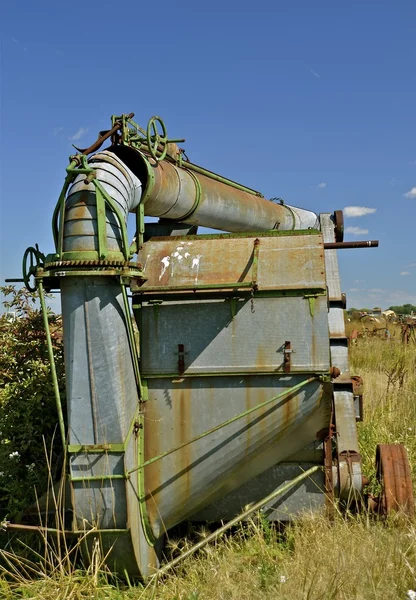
(203, 336)
(339, 351)
(283, 262)
(181, 409)
(350, 476)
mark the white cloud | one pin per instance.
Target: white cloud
(78, 135)
(376, 291)
(411, 193)
(405, 273)
(322, 185)
(353, 290)
(358, 211)
(57, 130)
(356, 230)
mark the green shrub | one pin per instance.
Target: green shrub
(28, 416)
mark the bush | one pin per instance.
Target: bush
(28, 416)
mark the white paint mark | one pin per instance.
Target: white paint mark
(165, 263)
(145, 264)
(195, 263)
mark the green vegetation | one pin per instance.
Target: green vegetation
(27, 404)
(405, 309)
(356, 557)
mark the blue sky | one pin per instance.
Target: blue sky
(310, 101)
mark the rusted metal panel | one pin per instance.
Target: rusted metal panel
(253, 340)
(196, 475)
(284, 262)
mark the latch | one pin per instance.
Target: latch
(311, 298)
(287, 354)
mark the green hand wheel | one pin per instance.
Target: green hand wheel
(156, 139)
(32, 260)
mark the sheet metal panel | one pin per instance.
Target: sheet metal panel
(205, 470)
(252, 341)
(285, 262)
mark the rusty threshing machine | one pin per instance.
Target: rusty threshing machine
(225, 381)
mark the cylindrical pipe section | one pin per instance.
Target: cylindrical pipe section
(181, 194)
(101, 387)
(80, 226)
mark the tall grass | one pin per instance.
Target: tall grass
(354, 557)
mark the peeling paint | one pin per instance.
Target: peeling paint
(195, 263)
(165, 263)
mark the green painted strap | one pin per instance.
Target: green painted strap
(141, 488)
(122, 225)
(244, 234)
(98, 477)
(287, 392)
(59, 212)
(101, 224)
(95, 448)
(52, 363)
(132, 341)
(163, 296)
(208, 286)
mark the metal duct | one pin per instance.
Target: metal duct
(101, 387)
(191, 195)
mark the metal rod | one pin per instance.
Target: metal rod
(216, 534)
(132, 342)
(221, 425)
(216, 177)
(44, 529)
(52, 363)
(338, 245)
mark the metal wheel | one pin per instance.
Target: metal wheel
(394, 475)
(31, 262)
(155, 139)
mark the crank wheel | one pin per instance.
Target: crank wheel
(394, 475)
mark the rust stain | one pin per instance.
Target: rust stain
(152, 473)
(183, 432)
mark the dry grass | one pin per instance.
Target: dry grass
(353, 558)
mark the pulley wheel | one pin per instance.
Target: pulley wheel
(394, 475)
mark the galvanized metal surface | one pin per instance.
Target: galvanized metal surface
(252, 341)
(349, 476)
(81, 228)
(180, 409)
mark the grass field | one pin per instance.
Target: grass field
(355, 557)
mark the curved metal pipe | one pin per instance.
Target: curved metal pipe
(190, 196)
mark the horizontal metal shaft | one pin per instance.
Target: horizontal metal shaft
(340, 245)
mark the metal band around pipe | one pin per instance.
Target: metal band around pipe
(221, 425)
(216, 534)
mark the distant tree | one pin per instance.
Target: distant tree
(405, 309)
